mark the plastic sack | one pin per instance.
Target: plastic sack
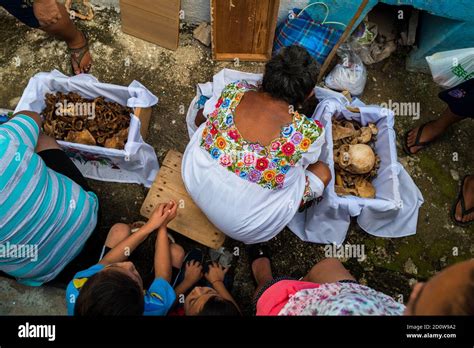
(350, 75)
(394, 210)
(450, 68)
(301, 29)
(370, 44)
(5, 115)
(136, 163)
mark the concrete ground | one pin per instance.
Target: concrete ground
(392, 265)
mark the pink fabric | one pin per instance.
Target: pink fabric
(276, 297)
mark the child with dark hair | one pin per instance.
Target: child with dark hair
(209, 295)
(213, 299)
(114, 287)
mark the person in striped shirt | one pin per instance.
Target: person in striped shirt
(46, 206)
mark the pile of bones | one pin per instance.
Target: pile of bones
(355, 161)
(75, 119)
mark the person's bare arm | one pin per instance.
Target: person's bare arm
(192, 275)
(215, 276)
(221, 289)
(162, 246)
(34, 115)
(163, 255)
(200, 118)
(122, 251)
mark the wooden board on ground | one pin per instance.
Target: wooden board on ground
(190, 221)
(156, 21)
(243, 29)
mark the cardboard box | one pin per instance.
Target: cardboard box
(156, 21)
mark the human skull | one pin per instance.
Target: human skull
(356, 159)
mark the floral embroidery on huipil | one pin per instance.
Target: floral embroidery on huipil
(266, 166)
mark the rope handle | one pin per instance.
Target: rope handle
(327, 13)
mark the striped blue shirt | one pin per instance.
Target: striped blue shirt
(45, 217)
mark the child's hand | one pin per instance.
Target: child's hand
(159, 215)
(173, 207)
(193, 272)
(216, 273)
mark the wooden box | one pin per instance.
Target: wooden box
(156, 21)
(190, 221)
(243, 29)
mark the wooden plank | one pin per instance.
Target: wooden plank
(413, 26)
(273, 13)
(171, 178)
(160, 30)
(243, 29)
(231, 14)
(144, 115)
(342, 39)
(166, 8)
(190, 221)
(173, 160)
(242, 57)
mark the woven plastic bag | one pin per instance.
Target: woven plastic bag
(301, 29)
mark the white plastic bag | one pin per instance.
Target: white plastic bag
(350, 75)
(136, 163)
(450, 68)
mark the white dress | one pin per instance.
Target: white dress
(248, 191)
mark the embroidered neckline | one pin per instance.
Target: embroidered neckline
(268, 165)
(295, 116)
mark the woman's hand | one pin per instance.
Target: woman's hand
(216, 273)
(46, 12)
(193, 272)
(159, 215)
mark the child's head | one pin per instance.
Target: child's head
(450, 292)
(116, 290)
(205, 301)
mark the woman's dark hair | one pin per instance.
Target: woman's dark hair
(110, 293)
(291, 75)
(217, 305)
